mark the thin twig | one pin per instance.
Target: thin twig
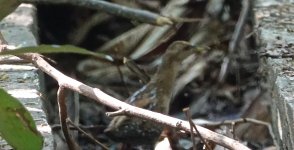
(255, 31)
(179, 20)
(259, 122)
(63, 115)
(238, 121)
(188, 114)
(87, 135)
(131, 13)
(58, 127)
(81, 33)
(236, 37)
(137, 70)
(119, 112)
(74, 111)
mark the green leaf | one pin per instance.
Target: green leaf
(56, 49)
(17, 126)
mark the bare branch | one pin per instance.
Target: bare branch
(192, 125)
(101, 97)
(188, 115)
(88, 135)
(236, 122)
(236, 37)
(63, 115)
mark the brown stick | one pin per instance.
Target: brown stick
(188, 116)
(192, 125)
(236, 37)
(101, 97)
(63, 115)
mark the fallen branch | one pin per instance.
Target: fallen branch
(101, 97)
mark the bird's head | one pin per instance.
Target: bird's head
(178, 50)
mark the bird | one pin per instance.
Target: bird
(155, 96)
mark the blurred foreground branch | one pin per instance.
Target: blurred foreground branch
(114, 9)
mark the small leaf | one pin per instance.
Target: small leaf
(56, 49)
(17, 126)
